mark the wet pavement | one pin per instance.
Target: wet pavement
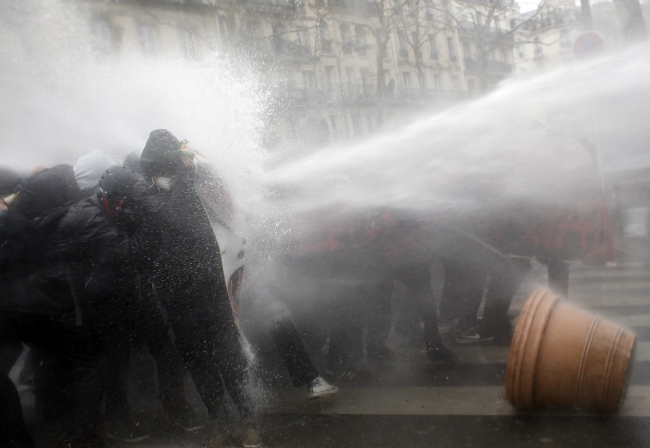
(407, 402)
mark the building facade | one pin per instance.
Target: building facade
(335, 68)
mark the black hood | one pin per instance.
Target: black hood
(8, 180)
(48, 190)
(160, 154)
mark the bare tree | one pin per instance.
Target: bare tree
(489, 25)
(416, 25)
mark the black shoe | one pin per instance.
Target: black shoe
(440, 354)
(126, 431)
(189, 423)
(379, 352)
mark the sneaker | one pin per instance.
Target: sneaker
(189, 423)
(127, 432)
(440, 354)
(250, 436)
(471, 336)
(379, 352)
(320, 388)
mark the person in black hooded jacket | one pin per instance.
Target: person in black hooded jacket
(182, 257)
(50, 247)
(28, 289)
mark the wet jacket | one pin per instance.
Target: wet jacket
(178, 245)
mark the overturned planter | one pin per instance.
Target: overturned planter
(564, 356)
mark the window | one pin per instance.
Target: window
(538, 47)
(309, 81)
(455, 81)
(325, 40)
(303, 39)
(504, 55)
(452, 49)
(329, 78)
(334, 125)
(279, 32)
(522, 49)
(406, 76)
(401, 41)
(437, 82)
(356, 124)
(187, 43)
(467, 50)
(345, 38)
(565, 40)
(349, 71)
(223, 29)
(370, 122)
(421, 83)
(365, 82)
(102, 37)
(148, 39)
(360, 32)
(432, 47)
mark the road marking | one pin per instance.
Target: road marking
(485, 400)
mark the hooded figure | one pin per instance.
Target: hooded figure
(90, 168)
(182, 256)
(60, 292)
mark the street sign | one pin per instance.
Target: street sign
(588, 44)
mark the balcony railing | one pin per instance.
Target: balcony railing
(493, 67)
(427, 95)
(271, 5)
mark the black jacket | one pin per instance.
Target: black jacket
(178, 246)
(75, 261)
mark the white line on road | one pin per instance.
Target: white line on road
(486, 400)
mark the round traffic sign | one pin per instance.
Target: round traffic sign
(588, 44)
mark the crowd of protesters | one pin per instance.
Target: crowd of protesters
(98, 255)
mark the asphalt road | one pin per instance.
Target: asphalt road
(407, 403)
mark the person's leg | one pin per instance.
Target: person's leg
(346, 334)
(154, 331)
(197, 353)
(462, 292)
(558, 277)
(292, 352)
(501, 291)
(13, 431)
(416, 278)
(379, 318)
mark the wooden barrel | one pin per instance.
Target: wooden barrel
(564, 356)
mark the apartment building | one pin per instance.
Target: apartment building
(336, 68)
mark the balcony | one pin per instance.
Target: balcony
(290, 49)
(429, 96)
(271, 5)
(493, 67)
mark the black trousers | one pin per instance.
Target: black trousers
(417, 280)
(13, 431)
(68, 381)
(208, 340)
(140, 319)
(293, 352)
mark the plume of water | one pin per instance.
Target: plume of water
(527, 142)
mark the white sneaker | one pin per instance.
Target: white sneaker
(321, 388)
